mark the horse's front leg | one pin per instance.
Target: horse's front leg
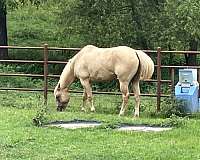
(125, 97)
(84, 101)
(88, 91)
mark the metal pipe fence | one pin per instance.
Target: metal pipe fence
(45, 50)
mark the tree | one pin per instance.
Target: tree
(109, 23)
(3, 20)
(3, 30)
(180, 25)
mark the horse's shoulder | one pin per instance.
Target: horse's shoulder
(89, 47)
(125, 47)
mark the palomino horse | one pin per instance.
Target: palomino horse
(104, 64)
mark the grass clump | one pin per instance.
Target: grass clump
(174, 121)
(171, 106)
(41, 116)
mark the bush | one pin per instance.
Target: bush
(174, 121)
(40, 117)
(172, 106)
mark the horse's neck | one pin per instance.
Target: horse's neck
(67, 76)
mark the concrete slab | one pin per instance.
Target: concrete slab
(143, 128)
(74, 124)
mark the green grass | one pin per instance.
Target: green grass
(20, 139)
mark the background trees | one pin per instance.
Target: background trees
(181, 27)
(108, 23)
(4, 4)
(3, 29)
(144, 24)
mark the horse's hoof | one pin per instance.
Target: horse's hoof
(121, 114)
(136, 116)
(83, 110)
(92, 110)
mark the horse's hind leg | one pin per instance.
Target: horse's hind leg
(125, 96)
(136, 90)
(88, 91)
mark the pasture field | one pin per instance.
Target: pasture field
(20, 139)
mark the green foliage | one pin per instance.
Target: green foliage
(13, 4)
(3, 5)
(33, 26)
(179, 23)
(40, 117)
(173, 106)
(115, 22)
(174, 121)
(140, 24)
(18, 82)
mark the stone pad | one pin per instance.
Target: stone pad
(90, 124)
(75, 124)
(143, 128)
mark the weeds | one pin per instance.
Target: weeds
(174, 121)
(172, 106)
(41, 116)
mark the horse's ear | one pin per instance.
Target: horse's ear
(58, 86)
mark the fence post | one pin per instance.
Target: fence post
(198, 73)
(45, 73)
(172, 81)
(158, 78)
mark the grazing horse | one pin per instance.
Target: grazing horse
(104, 64)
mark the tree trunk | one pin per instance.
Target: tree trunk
(3, 30)
(191, 58)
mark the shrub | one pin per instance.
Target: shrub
(40, 116)
(174, 121)
(172, 106)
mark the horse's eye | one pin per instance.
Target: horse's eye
(57, 97)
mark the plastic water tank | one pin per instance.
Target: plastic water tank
(187, 89)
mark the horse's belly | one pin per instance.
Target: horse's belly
(102, 76)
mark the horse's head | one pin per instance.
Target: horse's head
(62, 97)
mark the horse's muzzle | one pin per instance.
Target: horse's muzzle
(60, 108)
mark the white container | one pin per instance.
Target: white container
(187, 76)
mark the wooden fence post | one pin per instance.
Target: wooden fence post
(198, 73)
(172, 81)
(45, 73)
(158, 78)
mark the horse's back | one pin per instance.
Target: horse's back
(106, 63)
(90, 54)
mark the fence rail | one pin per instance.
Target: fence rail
(45, 50)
